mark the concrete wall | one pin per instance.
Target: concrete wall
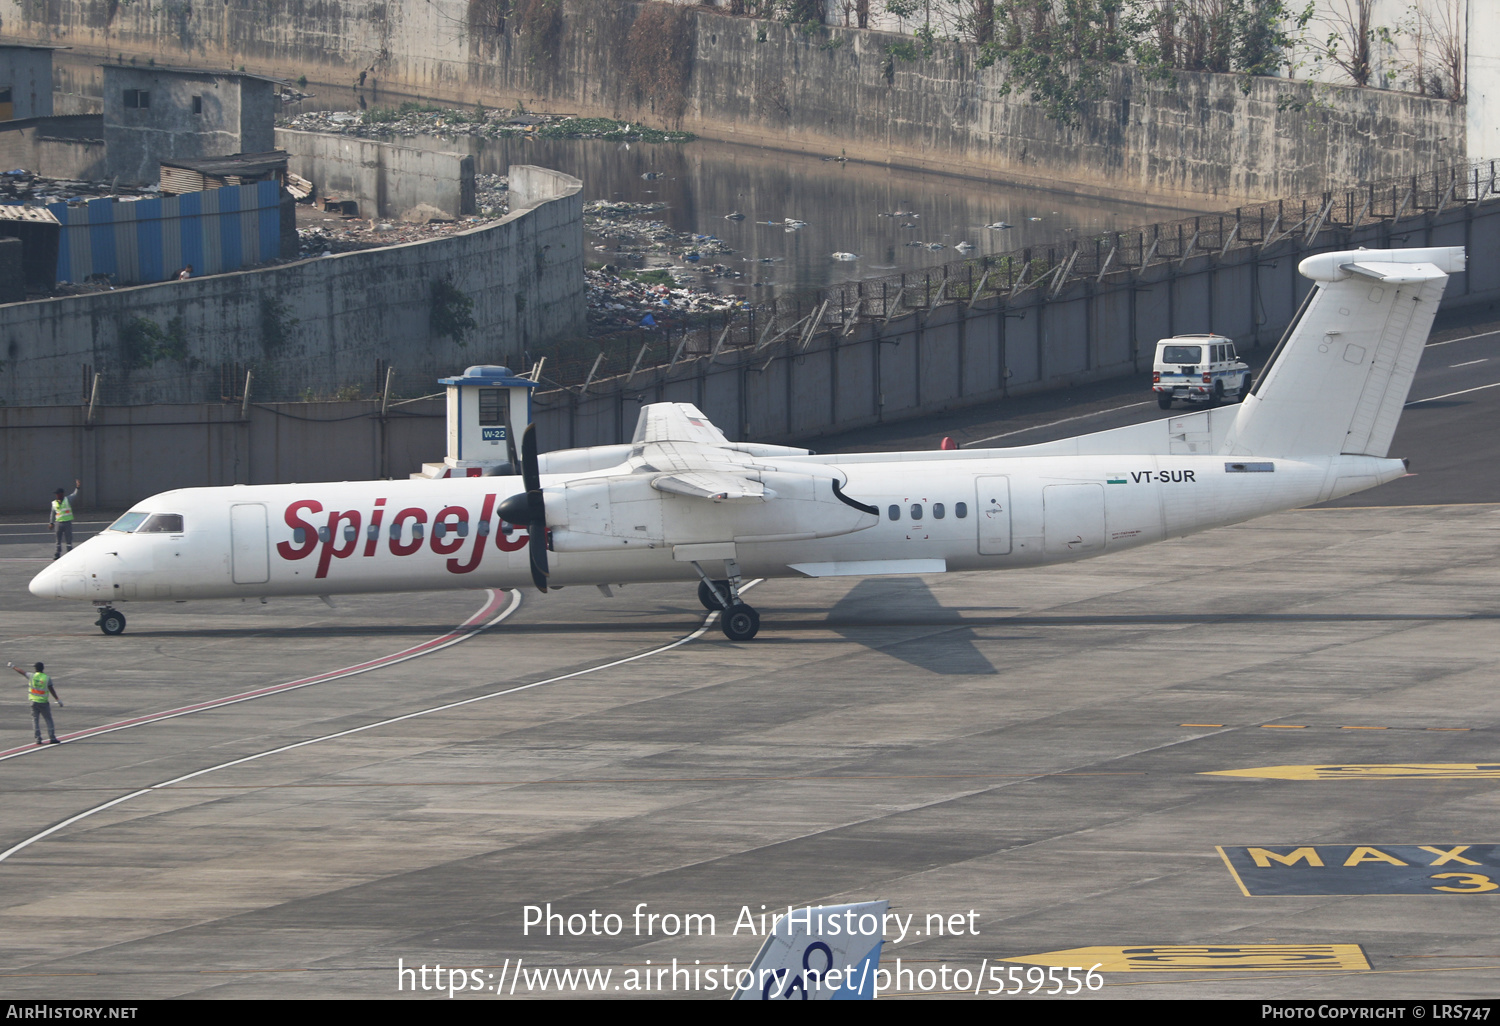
(121, 459)
(1199, 139)
(921, 363)
(386, 180)
(237, 115)
(27, 73)
(317, 324)
(951, 356)
(57, 147)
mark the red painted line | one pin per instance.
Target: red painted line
(490, 611)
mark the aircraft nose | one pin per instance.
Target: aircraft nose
(45, 584)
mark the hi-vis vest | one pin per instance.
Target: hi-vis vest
(62, 510)
(38, 687)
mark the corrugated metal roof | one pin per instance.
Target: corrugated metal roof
(18, 213)
(235, 164)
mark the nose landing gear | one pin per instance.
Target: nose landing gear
(738, 621)
(111, 621)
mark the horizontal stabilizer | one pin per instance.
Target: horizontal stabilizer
(1394, 274)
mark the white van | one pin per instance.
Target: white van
(1198, 369)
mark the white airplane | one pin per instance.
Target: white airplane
(681, 501)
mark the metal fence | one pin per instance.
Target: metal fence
(795, 317)
(132, 243)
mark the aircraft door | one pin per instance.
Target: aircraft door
(992, 514)
(250, 549)
(1072, 518)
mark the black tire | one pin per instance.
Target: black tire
(1164, 400)
(706, 596)
(1218, 396)
(1245, 387)
(112, 622)
(740, 622)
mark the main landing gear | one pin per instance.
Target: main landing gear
(739, 621)
(111, 621)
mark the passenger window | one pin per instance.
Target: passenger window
(960, 509)
(916, 511)
(937, 511)
(894, 512)
(162, 523)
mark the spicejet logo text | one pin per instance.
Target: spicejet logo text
(346, 531)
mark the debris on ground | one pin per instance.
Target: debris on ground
(620, 301)
(24, 188)
(411, 119)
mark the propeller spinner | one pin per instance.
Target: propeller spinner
(529, 508)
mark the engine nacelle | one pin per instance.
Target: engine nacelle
(611, 513)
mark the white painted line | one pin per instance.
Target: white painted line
(485, 618)
(707, 622)
(1466, 338)
(1054, 423)
(1470, 363)
(1447, 395)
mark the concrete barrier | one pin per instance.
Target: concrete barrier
(386, 180)
(1197, 138)
(320, 325)
(66, 146)
(125, 454)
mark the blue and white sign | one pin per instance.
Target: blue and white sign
(492, 434)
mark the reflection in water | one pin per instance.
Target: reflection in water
(842, 204)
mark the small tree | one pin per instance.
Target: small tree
(1350, 38)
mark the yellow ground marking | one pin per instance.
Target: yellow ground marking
(1232, 871)
(1283, 726)
(1371, 771)
(1178, 958)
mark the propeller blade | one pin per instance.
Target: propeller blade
(538, 550)
(534, 509)
(529, 473)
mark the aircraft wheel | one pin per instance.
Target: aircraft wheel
(1164, 400)
(707, 597)
(740, 622)
(1245, 387)
(112, 622)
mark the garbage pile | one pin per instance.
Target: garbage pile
(618, 302)
(625, 237)
(411, 119)
(21, 187)
(492, 195)
(346, 235)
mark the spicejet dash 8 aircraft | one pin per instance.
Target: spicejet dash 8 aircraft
(681, 501)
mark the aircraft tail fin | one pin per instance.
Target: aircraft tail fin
(1339, 380)
(819, 953)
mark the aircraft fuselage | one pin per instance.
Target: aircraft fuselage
(968, 513)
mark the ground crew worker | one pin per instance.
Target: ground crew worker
(61, 519)
(38, 684)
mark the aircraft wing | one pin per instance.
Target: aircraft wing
(677, 422)
(691, 457)
(716, 485)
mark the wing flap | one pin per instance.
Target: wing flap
(711, 485)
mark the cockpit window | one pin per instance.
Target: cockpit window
(129, 522)
(162, 523)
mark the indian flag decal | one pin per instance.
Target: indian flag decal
(1116, 479)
